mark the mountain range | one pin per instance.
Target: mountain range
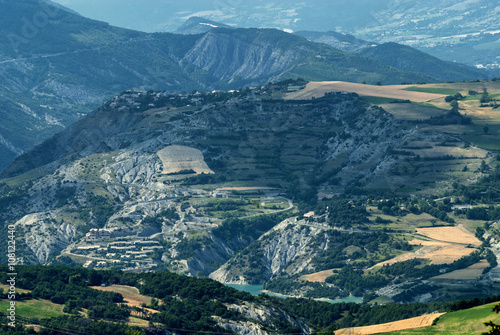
(56, 70)
(198, 25)
(458, 31)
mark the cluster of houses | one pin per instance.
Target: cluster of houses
(136, 99)
(116, 253)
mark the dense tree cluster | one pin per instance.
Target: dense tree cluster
(329, 317)
(343, 212)
(369, 243)
(250, 227)
(401, 207)
(188, 304)
(452, 117)
(355, 281)
(486, 190)
(490, 213)
(290, 285)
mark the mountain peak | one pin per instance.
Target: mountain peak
(198, 25)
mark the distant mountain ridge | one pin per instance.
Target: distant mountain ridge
(198, 25)
(406, 58)
(460, 31)
(337, 40)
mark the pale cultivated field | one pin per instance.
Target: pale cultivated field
(176, 158)
(318, 89)
(472, 272)
(130, 294)
(318, 277)
(436, 252)
(417, 322)
(450, 234)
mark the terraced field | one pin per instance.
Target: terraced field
(448, 244)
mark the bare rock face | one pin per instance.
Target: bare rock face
(260, 314)
(43, 235)
(229, 55)
(494, 241)
(283, 248)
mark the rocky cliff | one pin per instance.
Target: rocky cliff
(283, 249)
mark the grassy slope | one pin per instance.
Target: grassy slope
(469, 321)
(37, 308)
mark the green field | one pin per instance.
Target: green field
(469, 321)
(39, 309)
(487, 142)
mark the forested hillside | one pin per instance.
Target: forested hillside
(182, 304)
